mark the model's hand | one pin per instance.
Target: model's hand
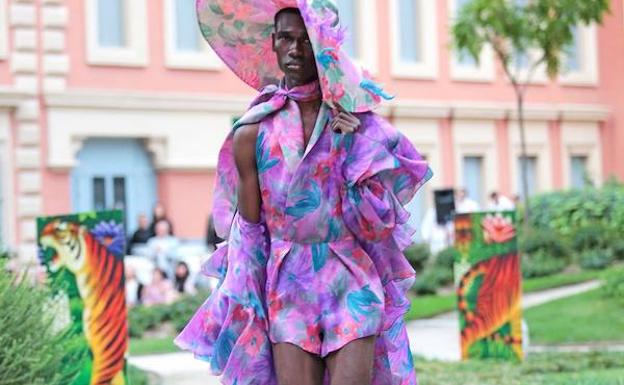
(343, 121)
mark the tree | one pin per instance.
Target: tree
(538, 31)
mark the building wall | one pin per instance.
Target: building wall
(58, 89)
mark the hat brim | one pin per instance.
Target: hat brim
(239, 31)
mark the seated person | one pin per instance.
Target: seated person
(160, 247)
(183, 281)
(141, 235)
(159, 291)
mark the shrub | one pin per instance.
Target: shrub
(617, 250)
(418, 255)
(142, 318)
(137, 376)
(564, 212)
(446, 258)
(595, 259)
(614, 285)
(540, 264)
(545, 253)
(591, 238)
(32, 350)
(431, 280)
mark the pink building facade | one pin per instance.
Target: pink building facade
(119, 103)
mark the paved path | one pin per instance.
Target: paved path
(434, 338)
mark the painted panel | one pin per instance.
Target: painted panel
(83, 255)
(488, 285)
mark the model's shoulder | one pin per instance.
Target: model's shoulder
(245, 136)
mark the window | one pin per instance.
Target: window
(360, 20)
(473, 177)
(531, 167)
(414, 38)
(3, 31)
(185, 48)
(348, 15)
(111, 26)
(463, 66)
(581, 58)
(578, 171)
(116, 32)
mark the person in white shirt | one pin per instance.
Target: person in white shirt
(463, 203)
(160, 247)
(500, 202)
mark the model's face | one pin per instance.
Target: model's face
(294, 51)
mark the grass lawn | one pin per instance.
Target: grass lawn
(139, 347)
(428, 306)
(538, 369)
(582, 318)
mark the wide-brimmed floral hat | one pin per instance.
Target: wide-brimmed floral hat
(239, 31)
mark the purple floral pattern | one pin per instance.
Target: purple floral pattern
(111, 235)
(325, 266)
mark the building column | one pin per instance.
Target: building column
(25, 66)
(556, 152)
(447, 154)
(503, 152)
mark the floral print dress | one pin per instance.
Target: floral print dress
(325, 265)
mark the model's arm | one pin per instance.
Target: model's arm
(245, 157)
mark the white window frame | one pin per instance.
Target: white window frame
(428, 68)
(203, 59)
(582, 139)
(6, 212)
(477, 138)
(588, 57)
(483, 72)
(367, 33)
(135, 54)
(4, 31)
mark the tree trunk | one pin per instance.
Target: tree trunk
(523, 158)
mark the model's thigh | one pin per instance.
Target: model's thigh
(295, 366)
(353, 363)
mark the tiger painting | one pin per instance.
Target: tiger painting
(100, 279)
(489, 298)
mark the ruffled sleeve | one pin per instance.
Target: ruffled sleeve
(230, 328)
(382, 173)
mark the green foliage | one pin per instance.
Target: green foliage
(614, 285)
(591, 238)
(595, 259)
(545, 253)
(418, 255)
(541, 264)
(32, 350)
(564, 212)
(617, 248)
(143, 318)
(542, 26)
(597, 368)
(137, 376)
(446, 258)
(432, 279)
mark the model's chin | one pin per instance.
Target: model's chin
(298, 79)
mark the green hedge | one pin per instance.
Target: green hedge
(564, 212)
(143, 318)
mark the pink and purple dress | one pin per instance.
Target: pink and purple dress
(325, 265)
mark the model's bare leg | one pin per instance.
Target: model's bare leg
(353, 364)
(295, 366)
